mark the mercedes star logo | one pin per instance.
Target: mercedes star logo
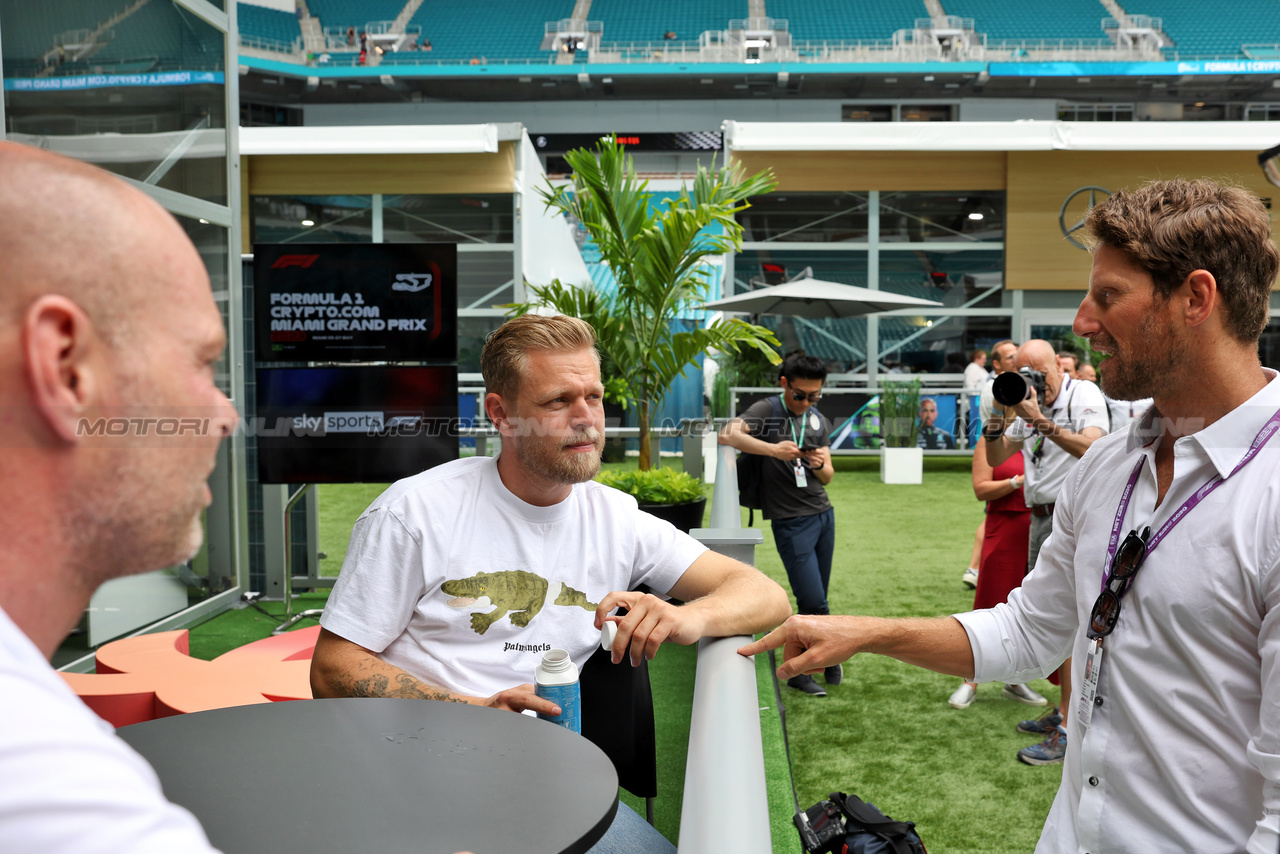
(1068, 230)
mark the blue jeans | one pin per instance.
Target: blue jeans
(805, 545)
(631, 834)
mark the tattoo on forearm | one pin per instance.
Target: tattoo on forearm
(404, 687)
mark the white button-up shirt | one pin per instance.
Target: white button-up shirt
(1079, 404)
(1183, 750)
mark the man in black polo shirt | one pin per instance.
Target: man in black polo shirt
(794, 438)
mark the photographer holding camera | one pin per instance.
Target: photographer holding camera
(1051, 440)
(793, 438)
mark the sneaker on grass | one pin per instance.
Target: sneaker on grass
(1051, 751)
(1041, 725)
(807, 684)
(963, 697)
(833, 674)
(970, 578)
(1023, 694)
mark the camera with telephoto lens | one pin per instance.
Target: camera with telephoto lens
(821, 827)
(1013, 387)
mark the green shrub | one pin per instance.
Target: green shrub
(655, 486)
(899, 406)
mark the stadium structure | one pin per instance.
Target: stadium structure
(944, 149)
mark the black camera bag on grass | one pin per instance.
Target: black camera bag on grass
(843, 824)
(864, 829)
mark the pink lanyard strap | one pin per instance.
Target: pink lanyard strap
(1187, 506)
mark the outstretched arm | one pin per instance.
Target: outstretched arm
(722, 598)
(810, 643)
(340, 668)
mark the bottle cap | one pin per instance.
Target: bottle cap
(608, 632)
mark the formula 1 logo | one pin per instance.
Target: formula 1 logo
(303, 261)
(412, 282)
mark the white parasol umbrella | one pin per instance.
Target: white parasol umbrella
(806, 296)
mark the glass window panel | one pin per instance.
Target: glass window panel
(968, 279)
(841, 342)
(807, 217)
(918, 217)
(311, 219)
(211, 242)
(936, 343)
(485, 279)
(757, 267)
(466, 218)
(472, 332)
(137, 96)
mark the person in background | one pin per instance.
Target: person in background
(976, 373)
(931, 437)
(106, 312)
(794, 438)
(1003, 354)
(1087, 373)
(1068, 363)
(457, 579)
(1051, 440)
(1006, 527)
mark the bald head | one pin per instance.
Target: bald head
(71, 229)
(1041, 356)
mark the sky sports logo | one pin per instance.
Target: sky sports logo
(366, 423)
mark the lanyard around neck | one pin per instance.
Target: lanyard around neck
(1187, 506)
(791, 422)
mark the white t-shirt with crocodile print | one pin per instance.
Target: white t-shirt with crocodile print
(454, 579)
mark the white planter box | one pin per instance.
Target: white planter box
(902, 465)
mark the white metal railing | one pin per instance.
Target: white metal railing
(257, 42)
(726, 804)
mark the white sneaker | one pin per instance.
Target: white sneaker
(970, 578)
(963, 697)
(1023, 694)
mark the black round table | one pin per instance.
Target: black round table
(367, 775)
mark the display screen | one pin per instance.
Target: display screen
(325, 302)
(360, 424)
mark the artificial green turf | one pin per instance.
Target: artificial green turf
(886, 733)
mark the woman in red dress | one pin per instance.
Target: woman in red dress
(1004, 551)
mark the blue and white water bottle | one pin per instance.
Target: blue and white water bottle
(556, 679)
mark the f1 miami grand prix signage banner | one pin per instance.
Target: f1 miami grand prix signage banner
(368, 302)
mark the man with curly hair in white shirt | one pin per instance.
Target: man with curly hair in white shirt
(1161, 579)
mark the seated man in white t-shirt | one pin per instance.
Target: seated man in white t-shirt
(458, 578)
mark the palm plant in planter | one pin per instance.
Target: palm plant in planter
(659, 257)
(900, 460)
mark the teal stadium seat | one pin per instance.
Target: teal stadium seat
(161, 35)
(631, 21)
(1018, 20)
(340, 14)
(457, 32)
(268, 25)
(840, 20)
(1201, 30)
(30, 29)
